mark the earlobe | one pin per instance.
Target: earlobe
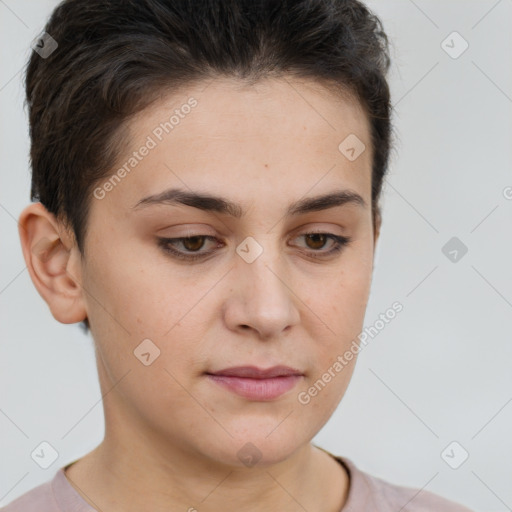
(53, 262)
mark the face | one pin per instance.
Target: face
(186, 286)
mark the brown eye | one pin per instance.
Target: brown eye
(318, 240)
(189, 247)
(317, 244)
(194, 243)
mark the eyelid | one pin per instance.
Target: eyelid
(340, 242)
(166, 243)
(188, 231)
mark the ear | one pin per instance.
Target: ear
(54, 263)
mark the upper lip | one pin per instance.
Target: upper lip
(253, 372)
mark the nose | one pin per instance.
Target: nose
(262, 297)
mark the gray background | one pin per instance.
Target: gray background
(439, 372)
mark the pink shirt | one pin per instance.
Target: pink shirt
(366, 494)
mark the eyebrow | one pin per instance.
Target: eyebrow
(207, 202)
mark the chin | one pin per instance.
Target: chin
(256, 448)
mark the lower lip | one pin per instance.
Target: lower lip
(257, 389)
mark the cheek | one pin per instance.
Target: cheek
(133, 304)
(340, 303)
(132, 296)
(342, 296)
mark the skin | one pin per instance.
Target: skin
(172, 436)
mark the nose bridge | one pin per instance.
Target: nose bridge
(267, 279)
(264, 271)
(266, 301)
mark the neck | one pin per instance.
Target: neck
(114, 479)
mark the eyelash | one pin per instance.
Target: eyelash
(340, 242)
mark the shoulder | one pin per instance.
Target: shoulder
(37, 499)
(370, 493)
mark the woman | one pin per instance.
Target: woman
(207, 178)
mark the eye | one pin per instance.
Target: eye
(317, 241)
(191, 244)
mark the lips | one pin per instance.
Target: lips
(253, 372)
(257, 384)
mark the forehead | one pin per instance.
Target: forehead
(275, 135)
(235, 110)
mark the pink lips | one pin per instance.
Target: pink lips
(255, 383)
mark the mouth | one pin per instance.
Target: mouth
(255, 383)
